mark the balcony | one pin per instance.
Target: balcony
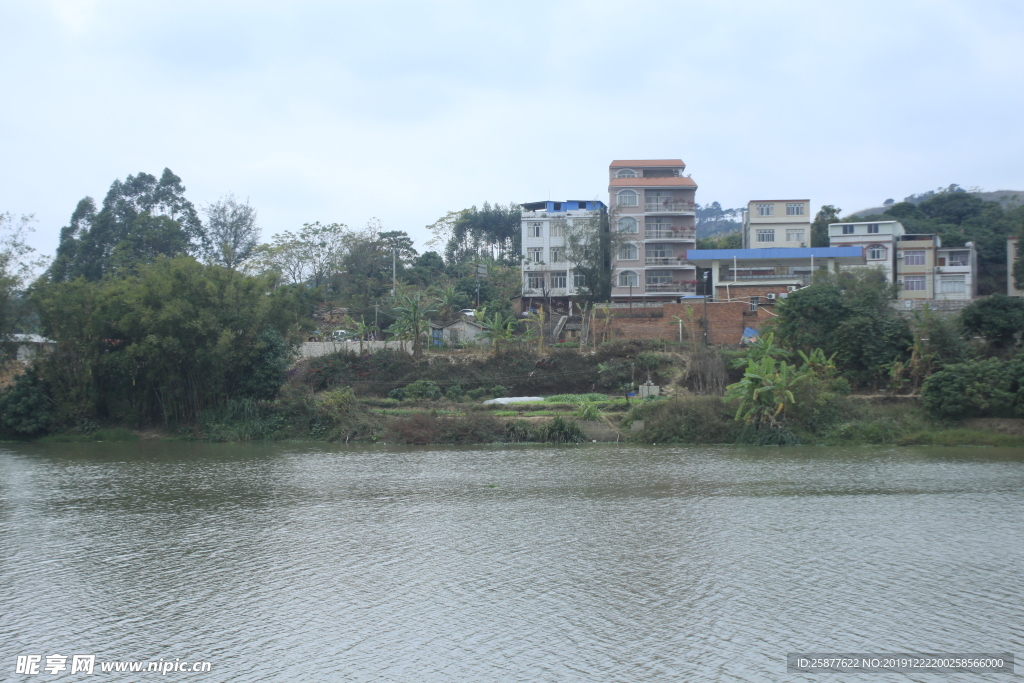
(669, 206)
(670, 287)
(688, 234)
(676, 261)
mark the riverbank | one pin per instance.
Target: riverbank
(683, 420)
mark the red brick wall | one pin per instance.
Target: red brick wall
(726, 321)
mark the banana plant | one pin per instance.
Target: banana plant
(766, 392)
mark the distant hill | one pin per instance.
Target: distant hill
(1009, 199)
(713, 220)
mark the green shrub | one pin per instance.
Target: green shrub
(695, 419)
(398, 394)
(25, 407)
(454, 393)
(588, 411)
(423, 389)
(575, 398)
(478, 394)
(498, 391)
(430, 428)
(981, 388)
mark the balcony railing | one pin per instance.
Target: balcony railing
(670, 287)
(670, 234)
(665, 261)
(669, 206)
(726, 275)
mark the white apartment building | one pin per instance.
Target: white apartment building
(777, 223)
(546, 273)
(652, 208)
(919, 264)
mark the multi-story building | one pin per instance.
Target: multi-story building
(653, 212)
(547, 275)
(777, 224)
(919, 264)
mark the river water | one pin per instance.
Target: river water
(593, 563)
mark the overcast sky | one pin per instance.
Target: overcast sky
(344, 111)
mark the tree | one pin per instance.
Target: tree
(492, 231)
(997, 318)
(766, 392)
(819, 228)
(496, 329)
(171, 340)
(16, 266)
(141, 218)
(232, 233)
(413, 309)
(847, 315)
(311, 256)
(588, 248)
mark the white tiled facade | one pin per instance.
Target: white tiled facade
(546, 273)
(777, 223)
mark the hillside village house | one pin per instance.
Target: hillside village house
(548, 278)
(652, 207)
(777, 223)
(922, 268)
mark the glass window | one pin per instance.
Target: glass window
(765, 209)
(872, 228)
(557, 229)
(557, 254)
(794, 235)
(533, 229)
(913, 258)
(535, 254)
(558, 279)
(876, 252)
(625, 173)
(628, 225)
(657, 251)
(913, 283)
(628, 278)
(959, 258)
(658, 277)
(795, 209)
(627, 198)
(535, 281)
(628, 252)
(953, 284)
(579, 280)
(847, 229)
(765, 235)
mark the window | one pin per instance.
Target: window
(628, 252)
(557, 254)
(913, 283)
(959, 258)
(625, 173)
(794, 235)
(847, 229)
(872, 228)
(627, 198)
(558, 279)
(657, 225)
(953, 284)
(876, 252)
(765, 209)
(628, 225)
(658, 251)
(628, 278)
(658, 277)
(535, 281)
(579, 280)
(913, 258)
(535, 254)
(795, 209)
(557, 229)
(533, 229)
(765, 235)
(583, 223)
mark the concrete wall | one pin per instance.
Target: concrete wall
(315, 349)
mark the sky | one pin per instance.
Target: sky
(403, 111)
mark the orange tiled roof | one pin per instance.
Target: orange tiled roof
(645, 163)
(653, 182)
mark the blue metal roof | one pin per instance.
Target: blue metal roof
(775, 253)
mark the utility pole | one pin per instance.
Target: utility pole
(394, 271)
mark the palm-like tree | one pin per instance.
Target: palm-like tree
(450, 301)
(414, 310)
(496, 329)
